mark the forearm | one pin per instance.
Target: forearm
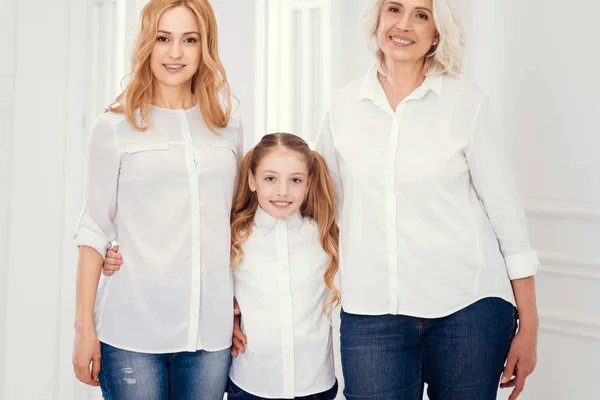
(88, 276)
(524, 290)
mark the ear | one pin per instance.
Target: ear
(251, 181)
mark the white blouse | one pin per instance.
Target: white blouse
(281, 292)
(430, 215)
(165, 196)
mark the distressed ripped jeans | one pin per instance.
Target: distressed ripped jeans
(174, 376)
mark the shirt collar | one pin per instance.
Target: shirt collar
(265, 222)
(371, 88)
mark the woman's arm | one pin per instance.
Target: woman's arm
(497, 190)
(93, 235)
(493, 181)
(325, 147)
(87, 346)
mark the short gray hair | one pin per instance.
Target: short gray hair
(450, 51)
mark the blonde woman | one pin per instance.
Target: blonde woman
(435, 258)
(160, 179)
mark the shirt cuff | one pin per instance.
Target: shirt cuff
(86, 237)
(522, 265)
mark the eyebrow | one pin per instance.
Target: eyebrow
(276, 173)
(184, 34)
(402, 5)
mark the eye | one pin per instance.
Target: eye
(422, 16)
(190, 40)
(270, 179)
(296, 180)
(394, 9)
(162, 39)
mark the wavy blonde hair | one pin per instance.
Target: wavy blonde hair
(209, 84)
(319, 205)
(446, 57)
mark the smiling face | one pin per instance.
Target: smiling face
(406, 31)
(281, 182)
(176, 53)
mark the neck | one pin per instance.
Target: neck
(401, 79)
(174, 97)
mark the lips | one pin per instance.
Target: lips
(402, 41)
(281, 204)
(174, 67)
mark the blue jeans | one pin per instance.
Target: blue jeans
(460, 356)
(127, 375)
(234, 392)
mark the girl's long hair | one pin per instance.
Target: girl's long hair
(209, 84)
(319, 205)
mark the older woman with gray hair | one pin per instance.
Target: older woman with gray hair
(435, 255)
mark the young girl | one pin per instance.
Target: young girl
(161, 175)
(284, 252)
(285, 255)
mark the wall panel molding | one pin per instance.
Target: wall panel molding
(563, 264)
(555, 208)
(571, 326)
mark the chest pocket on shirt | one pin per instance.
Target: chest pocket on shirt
(216, 158)
(145, 160)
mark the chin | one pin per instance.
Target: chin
(279, 213)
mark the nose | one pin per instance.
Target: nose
(404, 22)
(282, 189)
(175, 50)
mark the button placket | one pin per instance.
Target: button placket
(195, 288)
(287, 312)
(390, 204)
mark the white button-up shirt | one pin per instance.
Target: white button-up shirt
(430, 216)
(281, 291)
(165, 196)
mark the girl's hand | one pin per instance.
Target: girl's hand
(239, 339)
(521, 361)
(112, 261)
(85, 351)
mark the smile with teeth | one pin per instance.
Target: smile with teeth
(174, 67)
(281, 203)
(401, 41)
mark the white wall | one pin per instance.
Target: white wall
(237, 48)
(37, 97)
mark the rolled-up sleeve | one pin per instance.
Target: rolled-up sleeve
(497, 190)
(96, 226)
(326, 147)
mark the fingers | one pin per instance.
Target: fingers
(519, 386)
(508, 385)
(96, 365)
(237, 332)
(236, 307)
(112, 262)
(82, 372)
(115, 248)
(238, 346)
(509, 369)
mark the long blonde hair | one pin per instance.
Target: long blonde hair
(209, 84)
(319, 205)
